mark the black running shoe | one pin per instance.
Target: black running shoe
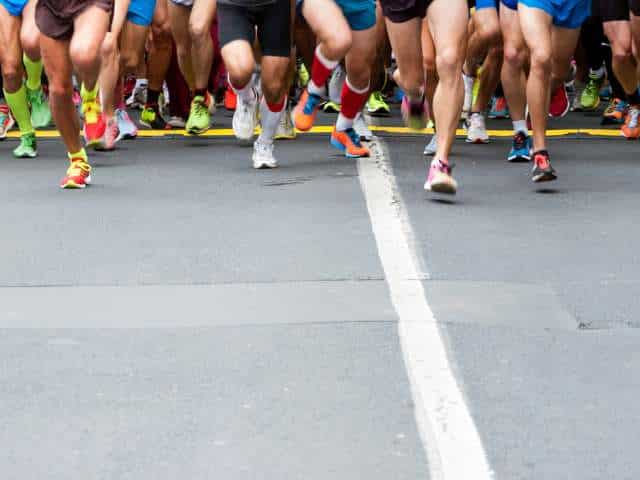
(542, 170)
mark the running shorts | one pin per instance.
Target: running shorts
(398, 11)
(141, 12)
(512, 4)
(360, 14)
(14, 7)
(565, 13)
(184, 3)
(54, 18)
(480, 4)
(273, 22)
(614, 10)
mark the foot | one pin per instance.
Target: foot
(542, 170)
(305, 112)
(111, 134)
(263, 155)
(559, 105)
(78, 174)
(440, 178)
(199, 116)
(361, 128)
(245, 118)
(27, 147)
(94, 124)
(348, 141)
(6, 121)
(127, 128)
(40, 111)
(520, 148)
(431, 148)
(138, 96)
(414, 114)
(476, 129)
(631, 127)
(176, 122)
(151, 118)
(615, 113)
(377, 106)
(285, 130)
(590, 97)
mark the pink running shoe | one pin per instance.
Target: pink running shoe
(440, 179)
(414, 114)
(111, 134)
(559, 105)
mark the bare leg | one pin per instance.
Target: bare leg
(200, 20)
(515, 54)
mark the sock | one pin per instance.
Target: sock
(81, 154)
(202, 92)
(468, 81)
(634, 98)
(599, 73)
(152, 97)
(270, 114)
(244, 93)
(351, 100)
(89, 95)
(141, 82)
(34, 72)
(520, 126)
(320, 71)
(19, 106)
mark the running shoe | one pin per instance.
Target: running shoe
(331, 107)
(520, 148)
(377, 106)
(285, 130)
(414, 114)
(6, 121)
(151, 118)
(40, 111)
(78, 174)
(77, 101)
(111, 134)
(303, 75)
(361, 128)
(631, 127)
(176, 122)
(440, 178)
(542, 170)
(590, 98)
(245, 118)
(94, 125)
(499, 108)
(230, 99)
(199, 116)
(348, 141)
(306, 110)
(27, 147)
(476, 129)
(616, 112)
(431, 148)
(138, 97)
(127, 128)
(263, 155)
(559, 105)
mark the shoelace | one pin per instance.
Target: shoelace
(312, 102)
(78, 166)
(614, 104)
(541, 160)
(353, 135)
(91, 110)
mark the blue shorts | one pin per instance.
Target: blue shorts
(480, 4)
(14, 7)
(512, 4)
(360, 14)
(141, 12)
(565, 13)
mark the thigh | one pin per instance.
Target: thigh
(202, 12)
(428, 48)
(273, 70)
(132, 40)
(10, 50)
(316, 13)
(274, 29)
(30, 35)
(448, 24)
(486, 19)
(406, 42)
(563, 43)
(635, 32)
(179, 21)
(89, 29)
(536, 25)
(619, 34)
(57, 63)
(512, 37)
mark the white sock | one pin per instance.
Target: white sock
(269, 121)
(246, 93)
(468, 82)
(520, 126)
(141, 82)
(599, 73)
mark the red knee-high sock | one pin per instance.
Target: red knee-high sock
(320, 71)
(351, 100)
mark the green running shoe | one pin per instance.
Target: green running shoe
(199, 116)
(376, 106)
(40, 111)
(331, 107)
(27, 147)
(590, 98)
(303, 75)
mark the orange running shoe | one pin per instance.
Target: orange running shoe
(78, 174)
(230, 99)
(306, 110)
(631, 127)
(348, 141)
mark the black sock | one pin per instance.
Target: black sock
(200, 92)
(152, 96)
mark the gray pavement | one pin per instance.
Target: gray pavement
(187, 317)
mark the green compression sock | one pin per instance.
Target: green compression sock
(19, 106)
(34, 72)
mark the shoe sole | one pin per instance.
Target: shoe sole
(544, 177)
(343, 149)
(194, 131)
(379, 113)
(444, 188)
(71, 185)
(477, 141)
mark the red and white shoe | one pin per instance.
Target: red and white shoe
(94, 124)
(559, 105)
(78, 174)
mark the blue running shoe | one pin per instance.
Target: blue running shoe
(521, 148)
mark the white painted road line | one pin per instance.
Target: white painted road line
(451, 440)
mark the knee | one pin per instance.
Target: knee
(12, 73)
(60, 89)
(83, 58)
(240, 69)
(273, 90)
(449, 61)
(489, 34)
(199, 31)
(621, 53)
(129, 60)
(514, 57)
(541, 60)
(108, 46)
(161, 34)
(31, 43)
(338, 46)
(359, 74)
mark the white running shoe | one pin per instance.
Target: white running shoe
(431, 148)
(263, 155)
(468, 95)
(138, 96)
(245, 119)
(476, 129)
(176, 122)
(361, 128)
(336, 82)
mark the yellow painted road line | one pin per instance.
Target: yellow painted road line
(325, 129)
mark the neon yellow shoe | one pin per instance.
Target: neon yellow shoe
(376, 105)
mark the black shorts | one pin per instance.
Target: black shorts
(273, 22)
(612, 10)
(398, 11)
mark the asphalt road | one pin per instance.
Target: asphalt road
(188, 317)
